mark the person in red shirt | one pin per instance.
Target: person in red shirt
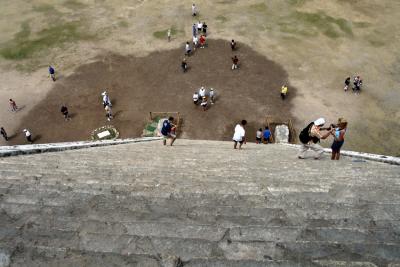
(202, 41)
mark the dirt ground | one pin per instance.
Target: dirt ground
(318, 43)
(138, 85)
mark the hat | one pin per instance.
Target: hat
(104, 93)
(211, 89)
(319, 122)
(24, 130)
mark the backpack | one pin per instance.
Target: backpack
(305, 137)
(166, 129)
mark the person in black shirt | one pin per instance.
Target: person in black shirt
(64, 111)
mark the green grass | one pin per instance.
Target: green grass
(74, 4)
(261, 7)
(163, 33)
(221, 18)
(123, 23)
(329, 26)
(44, 8)
(25, 44)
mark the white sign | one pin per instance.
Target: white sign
(103, 134)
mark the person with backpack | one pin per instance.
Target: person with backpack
(310, 137)
(338, 134)
(167, 132)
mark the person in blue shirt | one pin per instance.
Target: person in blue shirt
(168, 131)
(52, 73)
(267, 135)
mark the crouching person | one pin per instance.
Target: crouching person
(168, 131)
(310, 137)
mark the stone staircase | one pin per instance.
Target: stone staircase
(143, 204)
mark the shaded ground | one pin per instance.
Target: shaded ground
(156, 83)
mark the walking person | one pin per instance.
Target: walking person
(52, 73)
(65, 112)
(13, 105)
(346, 84)
(28, 135)
(239, 135)
(188, 50)
(106, 99)
(109, 115)
(194, 10)
(233, 45)
(284, 90)
(202, 41)
(235, 62)
(338, 135)
(4, 133)
(184, 65)
(199, 27)
(194, 30)
(169, 35)
(310, 137)
(195, 42)
(168, 131)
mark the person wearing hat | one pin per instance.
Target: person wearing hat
(310, 137)
(338, 134)
(28, 135)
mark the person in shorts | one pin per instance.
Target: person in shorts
(239, 134)
(259, 136)
(338, 134)
(168, 131)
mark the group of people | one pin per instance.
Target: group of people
(357, 83)
(313, 133)
(263, 136)
(202, 97)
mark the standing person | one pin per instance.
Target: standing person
(194, 30)
(202, 41)
(199, 27)
(194, 10)
(169, 35)
(202, 92)
(310, 137)
(346, 84)
(106, 99)
(184, 65)
(4, 133)
(258, 136)
(13, 105)
(284, 90)
(204, 103)
(233, 45)
(205, 28)
(167, 129)
(52, 73)
(235, 62)
(355, 82)
(108, 113)
(239, 134)
(195, 42)
(28, 135)
(64, 111)
(212, 96)
(267, 135)
(338, 135)
(195, 98)
(188, 50)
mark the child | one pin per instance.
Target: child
(284, 90)
(258, 136)
(195, 98)
(233, 45)
(267, 135)
(338, 135)
(187, 49)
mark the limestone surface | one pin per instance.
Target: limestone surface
(198, 203)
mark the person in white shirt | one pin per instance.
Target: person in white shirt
(196, 98)
(202, 92)
(187, 49)
(194, 10)
(106, 99)
(195, 42)
(239, 135)
(199, 26)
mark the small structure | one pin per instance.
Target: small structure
(105, 133)
(282, 131)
